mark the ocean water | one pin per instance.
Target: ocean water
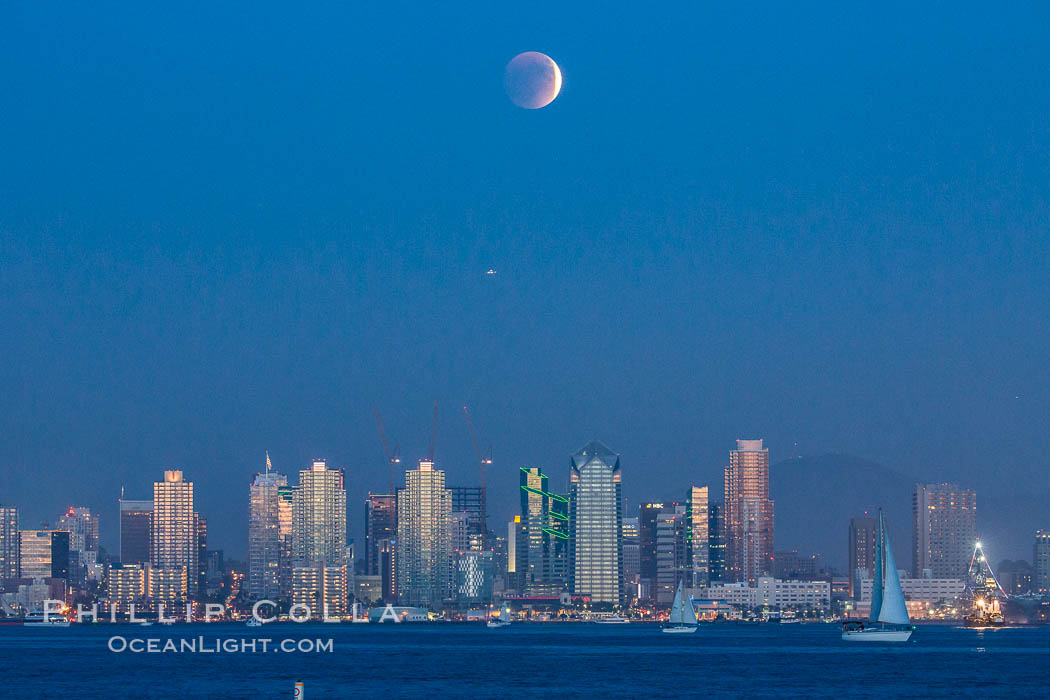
(528, 660)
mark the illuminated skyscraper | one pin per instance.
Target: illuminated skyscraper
(748, 513)
(264, 535)
(631, 560)
(44, 554)
(861, 552)
(945, 530)
(136, 531)
(9, 542)
(175, 540)
(425, 575)
(542, 546)
(596, 524)
(319, 517)
(470, 501)
(380, 538)
(698, 522)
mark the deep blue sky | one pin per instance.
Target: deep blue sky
(232, 227)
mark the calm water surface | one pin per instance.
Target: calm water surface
(530, 660)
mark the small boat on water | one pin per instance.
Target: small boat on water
(683, 617)
(888, 621)
(39, 619)
(612, 620)
(145, 624)
(253, 622)
(503, 620)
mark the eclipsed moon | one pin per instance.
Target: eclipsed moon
(532, 80)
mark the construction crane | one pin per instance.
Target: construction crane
(392, 458)
(484, 462)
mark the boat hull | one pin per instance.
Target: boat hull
(494, 625)
(874, 634)
(678, 630)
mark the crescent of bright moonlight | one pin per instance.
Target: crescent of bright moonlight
(532, 80)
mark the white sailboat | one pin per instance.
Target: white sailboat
(888, 621)
(503, 620)
(683, 617)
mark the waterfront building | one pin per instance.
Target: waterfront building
(1041, 562)
(319, 517)
(861, 551)
(1015, 576)
(945, 518)
(265, 542)
(368, 589)
(126, 584)
(44, 554)
(168, 585)
(10, 542)
(425, 561)
(136, 531)
(322, 589)
(774, 593)
(175, 537)
(596, 524)
(749, 512)
(927, 591)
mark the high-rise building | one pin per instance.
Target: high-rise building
(749, 513)
(716, 546)
(380, 540)
(1041, 562)
(698, 521)
(126, 584)
(82, 526)
(319, 517)
(474, 575)
(175, 540)
(136, 531)
(861, 551)
(596, 524)
(511, 545)
(542, 545)
(44, 554)
(264, 535)
(425, 574)
(201, 525)
(648, 515)
(470, 502)
(632, 563)
(10, 544)
(672, 552)
(945, 530)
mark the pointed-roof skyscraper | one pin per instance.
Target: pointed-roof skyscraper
(596, 524)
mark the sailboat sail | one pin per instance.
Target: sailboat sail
(504, 613)
(877, 577)
(676, 607)
(893, 610)
(689, 613)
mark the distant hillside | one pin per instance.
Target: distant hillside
(816, 497)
